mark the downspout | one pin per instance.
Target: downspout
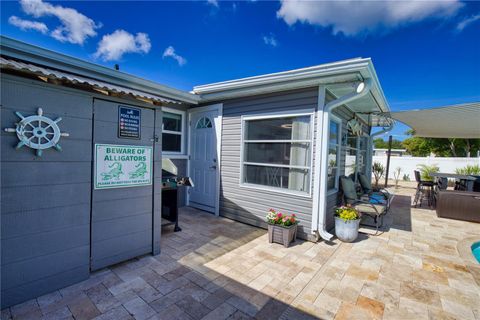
(321, 166)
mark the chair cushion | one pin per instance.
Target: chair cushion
(370, 208)
(365, 183)
(348, 189)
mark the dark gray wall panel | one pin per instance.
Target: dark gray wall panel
(122, 218)
(44, 220)
(45, 201)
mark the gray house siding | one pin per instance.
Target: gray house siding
(251, 205)
(45, 201)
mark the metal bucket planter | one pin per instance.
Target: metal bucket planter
(281, 234)
(346, 231)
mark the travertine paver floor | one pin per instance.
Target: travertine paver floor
(220, 269)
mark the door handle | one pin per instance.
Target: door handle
(213, 167)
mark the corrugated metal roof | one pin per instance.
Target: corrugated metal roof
(457, 121)
(50, 73)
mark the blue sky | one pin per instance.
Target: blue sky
(426, 53)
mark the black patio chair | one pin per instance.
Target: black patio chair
(424, 190)
(375, 211)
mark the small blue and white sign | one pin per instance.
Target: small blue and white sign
(129, 122)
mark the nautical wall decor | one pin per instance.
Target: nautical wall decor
(118, 166)
(38, 132)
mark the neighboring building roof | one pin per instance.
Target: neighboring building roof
(33, 55)
(338, 76)
(456, 121)
(54, 74)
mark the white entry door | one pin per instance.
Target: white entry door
(204, 160)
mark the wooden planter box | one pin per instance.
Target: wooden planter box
(282, 235)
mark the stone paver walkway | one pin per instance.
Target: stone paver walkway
(220, 269)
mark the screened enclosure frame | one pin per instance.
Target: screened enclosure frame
(275, 115)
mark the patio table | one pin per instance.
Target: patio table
(469, 179)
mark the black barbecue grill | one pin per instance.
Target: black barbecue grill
(170, 185)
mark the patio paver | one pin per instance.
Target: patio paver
(220, 269)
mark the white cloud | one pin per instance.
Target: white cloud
(28, 24)
(170, 52)
(270, 40)
(213, 3)
(466, 22)
(359, 17)
(75, 27)
(113, 46)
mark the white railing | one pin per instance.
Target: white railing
(409, 164)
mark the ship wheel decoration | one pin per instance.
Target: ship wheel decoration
(38, 132)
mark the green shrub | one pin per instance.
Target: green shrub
(426, 170)
(468, 170)
(378, 171)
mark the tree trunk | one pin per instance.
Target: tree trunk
(452, 147)
(467, 148)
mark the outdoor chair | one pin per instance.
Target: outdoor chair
(424, 190)
(375, 211)
(381, 194)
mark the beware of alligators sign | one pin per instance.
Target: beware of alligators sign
(118, 166)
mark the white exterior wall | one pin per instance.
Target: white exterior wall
(409, 164)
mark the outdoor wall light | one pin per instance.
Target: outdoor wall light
(360, 87)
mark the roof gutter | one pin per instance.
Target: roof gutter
(321, 166)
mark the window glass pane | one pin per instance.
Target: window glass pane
(172, 122)
(332, 167)
(350, 161)
(333, 132)
(171, 142)
(203, 123)
(332, 175)
(352, 142)
(288, 128)
(285, 178)
(295, 154)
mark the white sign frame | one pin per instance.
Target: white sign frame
(115, 173)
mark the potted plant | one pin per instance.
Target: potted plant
(282, 228)
(347, 222)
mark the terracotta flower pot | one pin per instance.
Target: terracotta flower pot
(281, 234)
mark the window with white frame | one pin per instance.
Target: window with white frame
(355, 155)
(277, 152)
(334, 142)
(173, 131)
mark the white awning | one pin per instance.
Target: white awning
(457, 121)
(55, 74)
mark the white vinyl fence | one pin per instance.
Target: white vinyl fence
(409, 164)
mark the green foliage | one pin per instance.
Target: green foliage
(406, 177)
(347, 213)
(441, 147)
(379, 143)
(426, 170)
(473, 170)
(378, 171)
